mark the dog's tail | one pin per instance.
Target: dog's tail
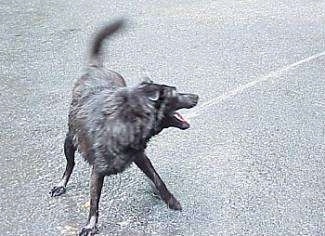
(96, 48)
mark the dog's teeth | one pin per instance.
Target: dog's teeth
(179, 116)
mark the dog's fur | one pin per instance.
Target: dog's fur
(111, 124)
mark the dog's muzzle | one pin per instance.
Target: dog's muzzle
(184, 100)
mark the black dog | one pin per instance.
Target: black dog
(111, 125)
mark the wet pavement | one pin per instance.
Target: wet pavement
(252, 162)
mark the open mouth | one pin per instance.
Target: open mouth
(180, 121)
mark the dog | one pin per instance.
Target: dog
(110, 125)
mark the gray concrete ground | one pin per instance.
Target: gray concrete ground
(252, 164)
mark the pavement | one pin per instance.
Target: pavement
(252, 162)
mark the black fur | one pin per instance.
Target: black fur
(110, 125)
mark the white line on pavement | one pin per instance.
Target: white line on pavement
(229, 94)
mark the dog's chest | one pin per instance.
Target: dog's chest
(114, 164)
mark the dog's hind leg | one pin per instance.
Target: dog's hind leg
(69, 151)
(145, 165)
(96, 184)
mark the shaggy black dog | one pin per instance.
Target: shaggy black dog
(111, 125)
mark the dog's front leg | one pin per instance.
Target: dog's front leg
(143, 162)
(96, 184)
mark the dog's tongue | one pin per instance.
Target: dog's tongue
(181, 122)
(179, 117)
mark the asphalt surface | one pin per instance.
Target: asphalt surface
(251, 164)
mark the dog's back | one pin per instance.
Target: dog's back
(95, 80)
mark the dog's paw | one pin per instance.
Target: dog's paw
(57, 191)
(173, 204)
(88, 231)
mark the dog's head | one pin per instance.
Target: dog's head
(166, 101)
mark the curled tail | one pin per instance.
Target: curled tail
(96, 48)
